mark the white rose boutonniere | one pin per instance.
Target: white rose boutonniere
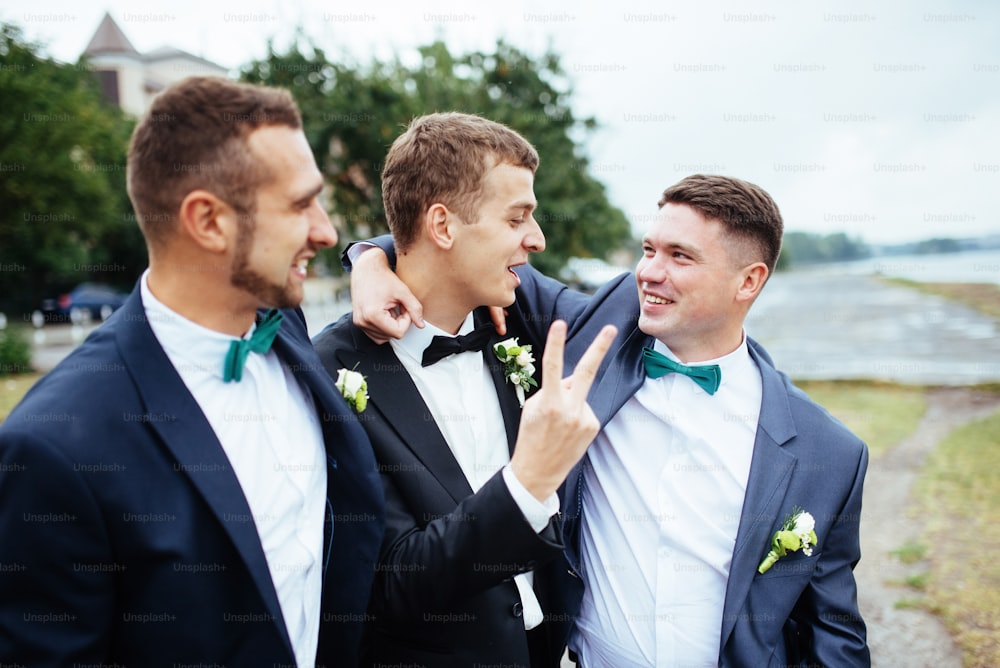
(797, 532)
(354, 387)
(518, 366)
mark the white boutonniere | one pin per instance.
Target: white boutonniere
(797, 533)
(354, 387)
(518, 366)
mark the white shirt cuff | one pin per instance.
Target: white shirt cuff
(537, 513)
(357, 248)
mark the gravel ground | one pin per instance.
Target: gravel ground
(906, 637)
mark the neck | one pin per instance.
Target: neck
(427, 277)
(707, 349)
(199, 289)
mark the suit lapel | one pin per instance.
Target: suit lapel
(509, 405)
(391, 391)
(619, 377)
(770, 474)
(179, 421)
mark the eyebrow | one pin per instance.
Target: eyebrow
(309, 195)
(524, 204)
(672, 246)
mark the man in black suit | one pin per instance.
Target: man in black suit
(471, 504)
(177, 491)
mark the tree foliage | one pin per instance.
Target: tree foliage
(352, 113)
(799, 248)
(64, 212)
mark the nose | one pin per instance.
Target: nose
(534, 241)
(321, 231)
(649, 270)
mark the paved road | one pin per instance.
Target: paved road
(816, 326)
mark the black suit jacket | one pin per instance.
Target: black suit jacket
(128, 537)
(444, 594)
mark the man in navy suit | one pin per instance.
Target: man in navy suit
(706, 452)
(178, 490)
(470, 469)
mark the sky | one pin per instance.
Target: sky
(881, 120)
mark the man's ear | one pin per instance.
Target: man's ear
(207, 221)
(754, 276)
(439, 225)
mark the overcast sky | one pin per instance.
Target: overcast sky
(881, 120)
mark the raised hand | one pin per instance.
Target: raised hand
(557, 423)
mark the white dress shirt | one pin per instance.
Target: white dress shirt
(663, 493)
(460, 394)
(269, 430)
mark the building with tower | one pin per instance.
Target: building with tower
(131, 79)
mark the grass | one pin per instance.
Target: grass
(12, 388)
(984, 297)
(957, 495)
(918, 581)
(910, 553)
(881, 414)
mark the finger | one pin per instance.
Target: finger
(499, 317)
(411, 307)
(384, 325)
(586, 368)
(552, 358)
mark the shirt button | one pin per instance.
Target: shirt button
(517, 610)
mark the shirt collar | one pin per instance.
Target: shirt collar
(415, 340)
(184, 340)
(734, 362)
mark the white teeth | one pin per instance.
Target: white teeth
(300, 266)
(656, 300)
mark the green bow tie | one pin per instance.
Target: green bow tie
(259, 342)
(707, 376)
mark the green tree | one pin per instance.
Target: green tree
(64, 213)
(799, 248)
(352, 113)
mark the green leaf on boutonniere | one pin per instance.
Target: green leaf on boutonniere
(797, 532)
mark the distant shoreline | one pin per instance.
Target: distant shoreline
(969, 266)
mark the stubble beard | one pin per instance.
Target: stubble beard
(245, 278)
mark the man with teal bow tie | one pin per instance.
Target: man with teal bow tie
(706, 451)
(189, 487)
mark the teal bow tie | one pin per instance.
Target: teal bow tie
(259, 342)
(708, 376)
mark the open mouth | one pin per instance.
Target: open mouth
(653, 299)
(514, 273)
(300, 267)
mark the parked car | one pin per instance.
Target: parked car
(85, 302)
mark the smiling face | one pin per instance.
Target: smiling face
(289, 224)
(694, 291)
(501, 238)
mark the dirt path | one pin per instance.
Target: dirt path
(906, 637)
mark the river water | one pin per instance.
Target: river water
(840, 321)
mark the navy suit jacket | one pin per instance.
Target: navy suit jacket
(125, 536)
(444, 594)
(803, 610)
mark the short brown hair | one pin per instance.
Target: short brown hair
(443, 158)
(748, 213)
(194, 136)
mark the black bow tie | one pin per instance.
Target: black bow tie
(442, 346)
